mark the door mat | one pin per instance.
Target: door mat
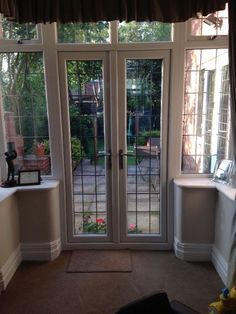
(92, 261)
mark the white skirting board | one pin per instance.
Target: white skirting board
(195, 252)
(220, 264)
(9, 268)
(192, 252)
(31, 252)
(46, 251)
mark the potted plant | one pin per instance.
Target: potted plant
(39, 149)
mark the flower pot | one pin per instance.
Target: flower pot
(39, 151)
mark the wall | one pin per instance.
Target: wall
(10, 256)
(223, 236)
(205, 224)
(29, 226)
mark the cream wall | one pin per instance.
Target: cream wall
(39, 216)
(224, 213)
(205, 223)
(9, 228)
(29, 226)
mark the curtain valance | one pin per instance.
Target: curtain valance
(65, 11)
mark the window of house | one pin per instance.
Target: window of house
(24, 108)
(214, 24)
(84, 33)
(144, 32)
(13, 31)
(206, 116)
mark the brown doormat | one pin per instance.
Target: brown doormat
(89, 261)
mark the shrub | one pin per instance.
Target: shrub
(77, 151)
(46, 146)
(90, 226)
(144, 136)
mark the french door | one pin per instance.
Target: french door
(114, 110)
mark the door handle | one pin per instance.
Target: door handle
(108, 158)
(121, 160)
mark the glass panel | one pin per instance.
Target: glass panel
(144, 32)
(86, 108)
(25, 109)
(206, 117)
(143, 88)
(84, 33)
(14, 31)
(211, 25)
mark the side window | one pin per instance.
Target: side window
(24, 109)
(206, 116)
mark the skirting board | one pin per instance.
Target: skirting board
(220, 264)
(192, 252)
(9, 268)
(46, 251)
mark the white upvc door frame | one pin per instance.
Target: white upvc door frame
(82, 56)
(163, 55)
(114, 90)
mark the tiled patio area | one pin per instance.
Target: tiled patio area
(142, 199)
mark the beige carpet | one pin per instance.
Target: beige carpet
(88, 261)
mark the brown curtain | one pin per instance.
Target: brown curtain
(231, 276)
(65, 11)
(7, 7)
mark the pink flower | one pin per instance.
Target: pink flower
(100, 220)
(132, 227)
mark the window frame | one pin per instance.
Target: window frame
(192, 43)
(48, 45)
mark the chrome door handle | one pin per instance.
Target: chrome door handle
(108, 158)
(121, 155)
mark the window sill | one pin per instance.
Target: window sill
(206, 183)
(44, 185)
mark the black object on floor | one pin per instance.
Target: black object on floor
(157, 303)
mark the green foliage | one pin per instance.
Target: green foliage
(145, 75)
(144, 136)
(83, 32)
(99, 226)
(23, 85)
(132, 228)
(81, 127)
(12, 30)
(90, 226)
(46, 144)
(144, 32)
(77, 151)
(84, 125)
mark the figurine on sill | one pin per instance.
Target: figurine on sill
(10, 182)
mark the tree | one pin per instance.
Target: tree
(83, 32)
(144, 78)
(23, 88)
(144, 32)
(85, 85)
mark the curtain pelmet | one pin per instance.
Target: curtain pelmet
(62, 11)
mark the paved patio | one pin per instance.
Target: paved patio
(142, 198)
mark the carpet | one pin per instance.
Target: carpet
(89, 261)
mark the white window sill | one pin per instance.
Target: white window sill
(206, 183)
(44, 185)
